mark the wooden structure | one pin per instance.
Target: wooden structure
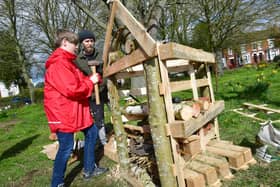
(258, 109)
(187, 153)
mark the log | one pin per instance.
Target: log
(137, 109)
(184, 111)
(181, 111)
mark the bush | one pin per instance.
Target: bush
(276, 58)
(39, 95)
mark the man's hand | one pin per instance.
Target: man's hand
(96, 78)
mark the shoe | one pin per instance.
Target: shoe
(97, 171)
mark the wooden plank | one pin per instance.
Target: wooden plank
(184, 85)
(193, 84)
(166, 92)
(236, 159)
(261, 107)
(192, 148)
(136, 57)
(221, 165)
(137, 30)
(244, 150)
(174, 50)
(194, 179)
(248, 115)
(178, 160)
(208, 171)
(131, 72)
(110, 149)
(108, 36)
(181, 129)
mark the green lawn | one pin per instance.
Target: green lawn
(24, 132)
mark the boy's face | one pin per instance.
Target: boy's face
(70, 47)
(88, 45)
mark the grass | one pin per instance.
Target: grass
(24, 131)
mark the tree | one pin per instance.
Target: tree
(215, 22)
(10, 70)
(13, 18)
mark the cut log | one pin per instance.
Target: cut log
(204, 103)
(182, 112)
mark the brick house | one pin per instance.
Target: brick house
(251, 52)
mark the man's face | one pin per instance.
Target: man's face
(88, 45)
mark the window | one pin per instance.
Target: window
(254, 46)
(243, 49)
(230, 51)
(259, 45)
(270, 43)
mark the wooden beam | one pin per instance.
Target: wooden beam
(137, 30)
(177, 51)
(108, 36)
(236, 159)
(209, 172)
(136, 57)
(182, 129)
(185, 85)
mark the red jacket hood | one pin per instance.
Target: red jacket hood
(58, 53)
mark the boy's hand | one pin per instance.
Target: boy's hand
(96, 78)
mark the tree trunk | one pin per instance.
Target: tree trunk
(157, 120)
(25, 73)
(120, 134)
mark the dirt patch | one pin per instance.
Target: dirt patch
(9, 124)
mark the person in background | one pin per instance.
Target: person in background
(66, 105)
(88, 53)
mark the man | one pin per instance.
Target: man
(66, 106)
(88, 53)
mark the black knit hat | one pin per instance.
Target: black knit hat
(85, 34)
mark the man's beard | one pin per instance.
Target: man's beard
(89, 50)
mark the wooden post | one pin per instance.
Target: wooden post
(120, 134)
(157, 120)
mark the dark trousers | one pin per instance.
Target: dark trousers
(98, 116)
(66, 143)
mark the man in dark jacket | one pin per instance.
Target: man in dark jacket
(89, 52)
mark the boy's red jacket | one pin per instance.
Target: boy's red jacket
(66, 94)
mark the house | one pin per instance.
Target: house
(252, 51)
(11, 91)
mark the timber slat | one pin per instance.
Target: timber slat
(261, 107)
(236, 159)
(183, 129)
(247, 154)
(178, 51)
